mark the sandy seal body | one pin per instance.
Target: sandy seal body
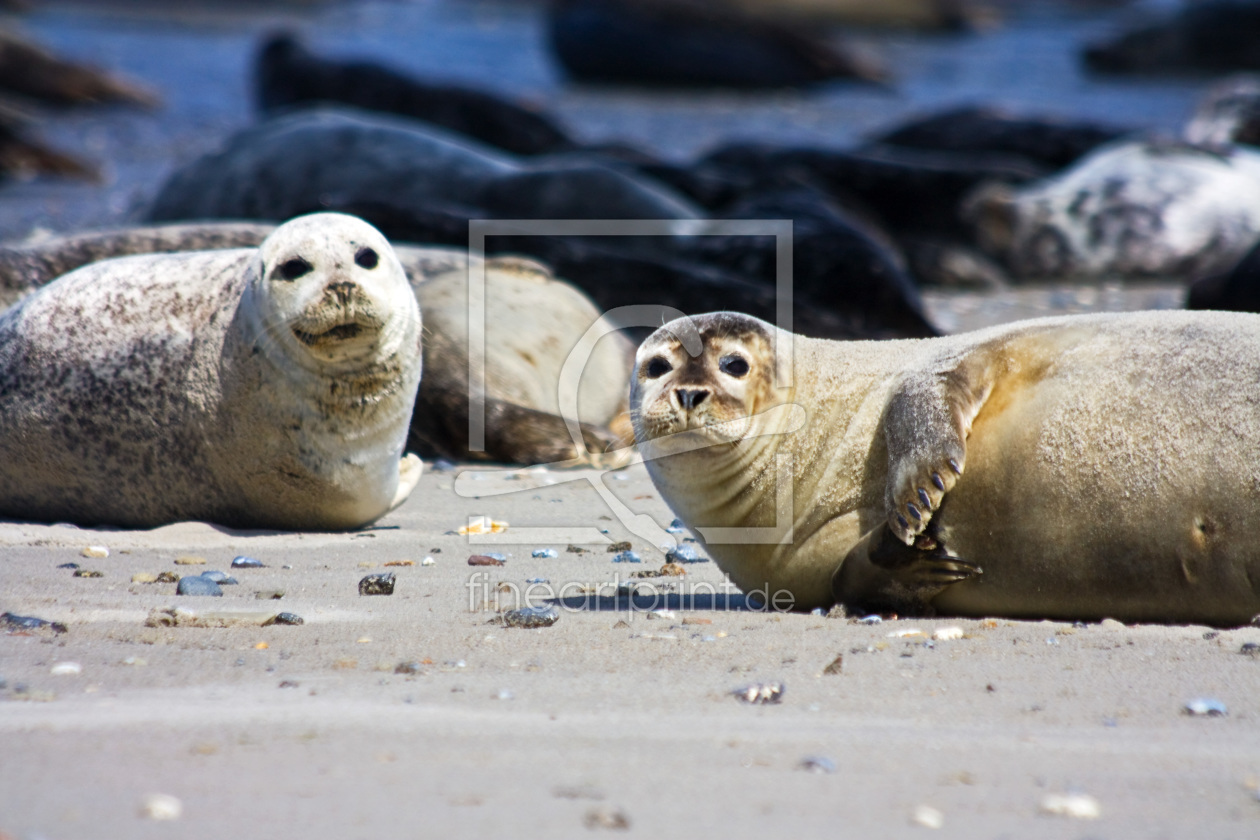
(266, 387)
(1072, 468)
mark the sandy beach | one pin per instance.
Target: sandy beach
(421, 714)
(621, 711)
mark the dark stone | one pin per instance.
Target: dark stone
(377, 584)
(286, 618)
(244, 562)
(532, 617)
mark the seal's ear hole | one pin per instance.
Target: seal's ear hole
(733, 365)
(293, 269)
(366, 258)
(658, 367)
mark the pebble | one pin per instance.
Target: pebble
(869, 619)
(945, 634)
(906, 633)
(160, 806)
(1250, 649)
(668, 615)
(68, 566)
(243, 562)
(144, 577)
(377, 584)
(537, 580)
(545, 553)
(1206, 707)
(13, 623)
(760, 694)
(610, 818)
(685, 553)
(484, 560)
(409, 668)
(401, 563)
(198, 585)
(1077, 806)
(676, 527)
(627, 557)
(100, 552)
(428, 561)
(618, 547)
(287, 618)
(269, 594)
(189, 560)
(88, 573)
(835, 667)
(221, 578)
(66, 669)
(817, 764)
(927, 816)
(671, 570)
(532, 617)
(167, 577)
(137, 661)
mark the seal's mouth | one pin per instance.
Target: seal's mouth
(340, 332)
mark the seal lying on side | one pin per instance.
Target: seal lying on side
(1132, 209)
(533, 320)
(266, 387)
(1069, 468)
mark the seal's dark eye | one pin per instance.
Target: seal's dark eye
(294, 268)
(658, 367)
(366, 258)
(735, 366)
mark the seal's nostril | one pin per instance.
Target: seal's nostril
(342, 291)
(689, 398)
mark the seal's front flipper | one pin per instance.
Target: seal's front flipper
(925, 428)
(881, 574)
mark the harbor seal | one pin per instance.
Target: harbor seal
(1132, 209)
(533, 320)
(267, 387)
(1076, 467)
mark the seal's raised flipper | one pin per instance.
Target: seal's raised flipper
(882, 574)
(925, 427)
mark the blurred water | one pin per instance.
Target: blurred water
(200, 58)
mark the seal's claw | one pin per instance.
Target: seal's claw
(917, 489)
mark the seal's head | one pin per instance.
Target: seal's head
(702, 380)
(333, 293)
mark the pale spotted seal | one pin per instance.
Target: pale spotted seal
(1128, 210)
(533, 320)
(1070, 468)
(263, 387)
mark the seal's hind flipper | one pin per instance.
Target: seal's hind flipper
(882, 574)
